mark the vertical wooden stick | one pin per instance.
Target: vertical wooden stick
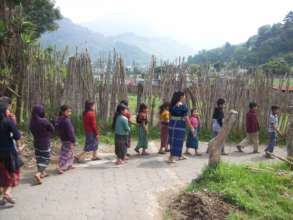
(216, 143)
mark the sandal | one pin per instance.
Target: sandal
(44, 175)
(137, 150)
(9, 199)
(171, 161)
(145, 153)
(60, 171)
(182, 158)
(96, 158)
(188, 153)
(76, 159)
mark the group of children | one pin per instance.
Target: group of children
(174, 123)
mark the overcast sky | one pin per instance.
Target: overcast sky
(201, 24)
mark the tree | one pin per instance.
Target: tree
(42, 13)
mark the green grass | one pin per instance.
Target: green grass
(261, 195)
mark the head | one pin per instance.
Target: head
(220, 103)
(89, 106)
(124, 102)
(252, 106)
(193, 112)
(38, 111)
(275, 109)
(65, 110)
(177, 97)
(142, 108)
(121, 110)
(6, 100)
(165, 106)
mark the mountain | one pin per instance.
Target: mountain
(139, 33)
(76, 36)
(164, 48)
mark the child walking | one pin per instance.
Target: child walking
(91, 131)
(192, 137)
(252, 129)
(142, 121)
(164, 122)
(42, 131)
(122, 131)
(67, 135)
(273, 130)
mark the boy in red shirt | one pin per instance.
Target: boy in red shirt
(252, 129)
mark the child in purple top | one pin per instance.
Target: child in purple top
(42, 131)
(66, 133)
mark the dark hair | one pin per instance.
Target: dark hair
(164, 106)
(5, 100)
(63, 109)
(3, 109)
(252, 105)
(275, 107)
(142, 107)
(88, 106)
(119, 110)
(176, 98)
(192, 111)
(220, 101)
(124, 102)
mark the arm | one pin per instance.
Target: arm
(70, 131)
(126, 126)
(94, 123)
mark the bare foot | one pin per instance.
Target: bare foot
(38, 178)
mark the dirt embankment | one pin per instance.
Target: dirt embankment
(199, 206)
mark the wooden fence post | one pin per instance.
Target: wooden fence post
(290, 134)
(216, 143)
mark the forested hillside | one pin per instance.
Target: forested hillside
(271, 47)
(75, 36)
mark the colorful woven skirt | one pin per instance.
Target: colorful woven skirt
(164, 134)
(42, 157)
(192, 140)
(176, 136)
(91, 142)
(121, 144)
(66, 155)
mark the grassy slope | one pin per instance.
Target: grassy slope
(257, 195)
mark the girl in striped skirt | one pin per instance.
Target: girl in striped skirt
(42, 131)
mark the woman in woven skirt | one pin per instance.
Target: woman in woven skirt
(177, 126)
(91, 131)
(67, 135)
(9, 166)
(42, 131)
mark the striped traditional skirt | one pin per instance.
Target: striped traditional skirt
(66, 155)
(192, 140)
(91, 142)
(42, 157)
(164, 134)
(9, 174)
(121, 144)
(176, 136)
(142, 138)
